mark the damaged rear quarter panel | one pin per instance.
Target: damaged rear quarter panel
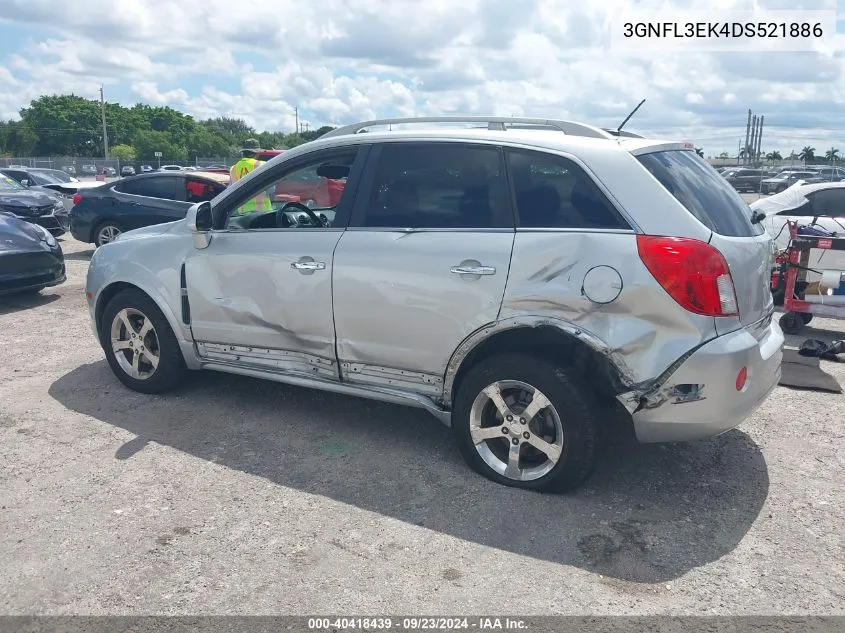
(643, 330)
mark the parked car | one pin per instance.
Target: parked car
(89, 170)
(30, 257)
(109, 171)
(56, 174)
(70, 170)
(36, 180)
(127, 170)
(783, 181)
(825, 174)
(819, 204)
(745, 179)
(102, 213)
(171, 168)
(146, 169)
(38, 207)
(526, 286)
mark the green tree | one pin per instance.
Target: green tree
(773, 156)
(699, 151)
(123, 152)
(831, 155)
(724, 155)
(65, 124)
(808, 154)
(148, 142)
(20, 140)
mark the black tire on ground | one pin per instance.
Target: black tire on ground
(95, 235)
(806, 317)
(791, 323)
(575, 405)
(171, 370)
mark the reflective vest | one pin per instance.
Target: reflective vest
(259, 202)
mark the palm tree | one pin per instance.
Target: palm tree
(831, 155)
(773, 156)
(724, 155)
(699, 151)
(807, 154)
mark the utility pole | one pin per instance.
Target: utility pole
(296, 114)
(760, 136)
(738, 150)
(105, 132)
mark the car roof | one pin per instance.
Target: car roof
(810, 188)
(542, 139)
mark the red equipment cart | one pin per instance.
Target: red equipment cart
(799, 311)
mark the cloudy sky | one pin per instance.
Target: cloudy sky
(340, 61)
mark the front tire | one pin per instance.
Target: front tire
(525, 422)
(139, 343)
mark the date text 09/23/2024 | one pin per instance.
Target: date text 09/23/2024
(415, 624)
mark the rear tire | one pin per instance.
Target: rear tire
(550, 444)
(133, 327)
(106, 232)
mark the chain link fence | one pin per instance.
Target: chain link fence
(76, 166)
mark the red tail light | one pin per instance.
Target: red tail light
(694, 273)
(77, 198)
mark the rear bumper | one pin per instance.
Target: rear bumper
(700, 398)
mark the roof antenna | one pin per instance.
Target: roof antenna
(621, 125)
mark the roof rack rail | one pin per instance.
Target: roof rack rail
(493, 123)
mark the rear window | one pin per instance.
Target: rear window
(704, 193)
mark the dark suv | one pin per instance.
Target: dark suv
(745, 179)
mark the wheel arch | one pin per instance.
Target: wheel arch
(180, 330)
(549, 338)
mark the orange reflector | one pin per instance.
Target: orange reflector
(741, 378)
(89, 295)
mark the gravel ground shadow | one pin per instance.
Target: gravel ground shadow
(26, 301)
(649, 514)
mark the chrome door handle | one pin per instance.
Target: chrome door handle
(308, 265)
(473, 270)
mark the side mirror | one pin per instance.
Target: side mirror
(199, 220)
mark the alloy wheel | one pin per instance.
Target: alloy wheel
(516, 430)
(107, 234)
(135, 343)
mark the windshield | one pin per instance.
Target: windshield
(705, 194)
(7, 184)
(40, 178)
(54, 174)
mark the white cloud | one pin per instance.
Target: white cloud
(337, 62)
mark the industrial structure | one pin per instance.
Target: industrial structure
(749, 153)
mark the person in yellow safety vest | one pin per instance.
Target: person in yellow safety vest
(247, 164)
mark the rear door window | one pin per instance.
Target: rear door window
(706, 195)
(158, 187)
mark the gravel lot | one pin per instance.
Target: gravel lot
(243, 496)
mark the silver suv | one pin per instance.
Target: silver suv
(526, 281)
